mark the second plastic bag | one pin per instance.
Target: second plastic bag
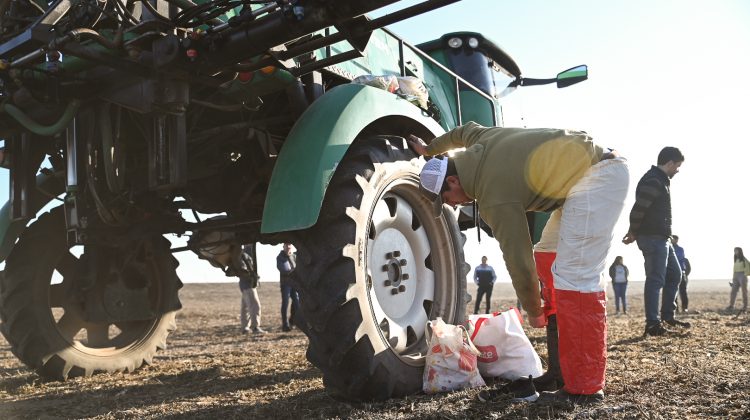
(451, 361)
(504, 349)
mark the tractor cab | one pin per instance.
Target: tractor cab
(479, 61)
(476, 59)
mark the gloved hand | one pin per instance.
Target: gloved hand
(537, 321)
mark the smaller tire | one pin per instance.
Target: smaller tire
(44, 319)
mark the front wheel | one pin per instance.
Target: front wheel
(373, 270)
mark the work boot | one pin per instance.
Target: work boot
(562, 396)
(522, 389)
(549, 381)
(656, 329)
(552, 378)
(676, 323)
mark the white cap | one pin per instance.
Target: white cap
(431, 182)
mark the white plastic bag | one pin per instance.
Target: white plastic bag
(413, 90)
(504, 349)
(451, 361)
(387, 82)
(410, 88)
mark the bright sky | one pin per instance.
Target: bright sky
(661, 73)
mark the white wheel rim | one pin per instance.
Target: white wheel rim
(402, 286)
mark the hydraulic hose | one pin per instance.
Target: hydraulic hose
(96, 36)
(43, 130)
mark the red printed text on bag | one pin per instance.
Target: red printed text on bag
(487, 354)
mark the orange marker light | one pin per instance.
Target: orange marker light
(268, 69)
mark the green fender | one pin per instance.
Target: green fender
(319, 140)
(52, 185)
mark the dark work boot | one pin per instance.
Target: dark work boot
(562, 396)
(552, 378)
(522, 389)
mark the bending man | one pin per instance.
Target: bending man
(510, 171)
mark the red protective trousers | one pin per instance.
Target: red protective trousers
(582, 328)
(544, 262)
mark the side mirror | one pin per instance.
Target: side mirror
(572, 76)
(564, 79)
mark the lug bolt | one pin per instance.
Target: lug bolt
(387, 283)
(402, 288)
(402, 262)
(385, 267)
(388, 255)
(394, 291)
(405, 276)
(396, 254)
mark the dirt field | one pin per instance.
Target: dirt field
(210, 370)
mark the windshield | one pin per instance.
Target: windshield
(474, 67)
(477, 69)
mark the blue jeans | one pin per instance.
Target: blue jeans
(662, 271)
(620, 289)
(288, 292)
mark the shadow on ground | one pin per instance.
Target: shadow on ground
(153, 391)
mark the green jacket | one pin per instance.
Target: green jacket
(510, 171)
(739, 266)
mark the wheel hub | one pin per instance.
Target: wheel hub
(396, 274)
(392, 284)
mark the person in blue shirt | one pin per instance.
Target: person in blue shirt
(484, 277)
(286, 263)
(619, 273)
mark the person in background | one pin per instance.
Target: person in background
(250, 304)
(739, 280)
(651, 228)
(286, 262)
(685, 266)
(618, 272)
(484, 278)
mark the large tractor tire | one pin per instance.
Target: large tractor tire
(45, 320)
(373, 270)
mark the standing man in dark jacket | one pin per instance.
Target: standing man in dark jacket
(484, 278)
(286, 262)
(651, 228)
